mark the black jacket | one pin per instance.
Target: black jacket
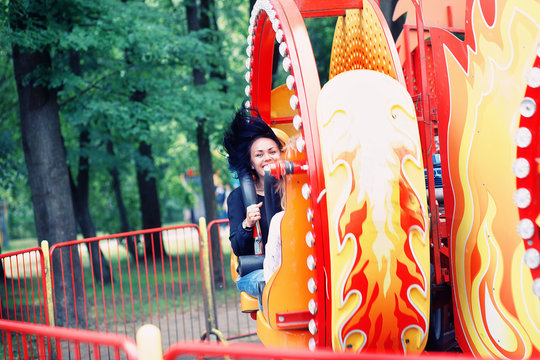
(241, 240)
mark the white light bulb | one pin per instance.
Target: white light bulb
(309, 215)
(536, 287)
(311, 263)
(248, 50)
(312, 327)
(312, 285)
(286, 64)
(525, 229)
(312, 344)
(247, 90)
(247, 104)
(306, 191)
(283, 49)
(310, 239)
(533, 77)
(293, 102)
(532, 258)
(248, 63)
(248, 76)
(297, 122)
(300, 144)
(527, 108)
(521, 168)
(523, 137)
(275, 24)
(279, 36)
(312, 306)
(522, 198)
(290, 81)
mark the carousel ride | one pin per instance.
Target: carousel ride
(374, 257)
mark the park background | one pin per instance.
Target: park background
(112, 112)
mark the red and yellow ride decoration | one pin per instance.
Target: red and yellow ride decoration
(358, 227)
(355, 247)
(492, 183)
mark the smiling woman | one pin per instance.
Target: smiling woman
(251, 145)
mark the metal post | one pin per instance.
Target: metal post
(149, 343)
(208, 285)
(48, 282)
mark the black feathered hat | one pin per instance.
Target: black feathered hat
(244, 130)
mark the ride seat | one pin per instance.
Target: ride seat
(248, 304)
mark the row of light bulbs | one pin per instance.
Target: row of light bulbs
(522, 168)
(266, 6)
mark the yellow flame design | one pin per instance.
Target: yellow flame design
(377, 213)
(499, 315)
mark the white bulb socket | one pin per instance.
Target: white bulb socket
(297, 122)
(527, 108)
(290, 82)
(533, 77)
(312, 327)
(521, 168)
(312, 285)
(522, 198)
(523, 137)
(310, 239)
(532, 258)
(286, 64)
(312, 306)
(525, 229)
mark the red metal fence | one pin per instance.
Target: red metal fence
(117, 283)
(23, 295)
(31, 341)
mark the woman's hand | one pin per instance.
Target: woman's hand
(253, 214)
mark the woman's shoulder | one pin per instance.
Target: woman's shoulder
(235, 195)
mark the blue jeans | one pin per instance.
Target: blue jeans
(250, 282)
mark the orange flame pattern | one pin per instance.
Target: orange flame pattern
(376, 199)
(496, 312)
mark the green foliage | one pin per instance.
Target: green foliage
(120, 49)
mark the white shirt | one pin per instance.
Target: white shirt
(272, 258)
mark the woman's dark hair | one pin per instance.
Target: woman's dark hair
(244, 130)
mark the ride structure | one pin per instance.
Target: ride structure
(372, 258)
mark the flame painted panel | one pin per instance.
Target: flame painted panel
(481, 86)
(377, 214)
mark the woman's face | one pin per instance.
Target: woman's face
(263, 151)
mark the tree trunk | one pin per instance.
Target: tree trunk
(203, 145)
(80, 192)
(149, 200)
(48, 177)
(131, 241)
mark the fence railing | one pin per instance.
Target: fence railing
(116, 283)
(35, 341)
(23, 295)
